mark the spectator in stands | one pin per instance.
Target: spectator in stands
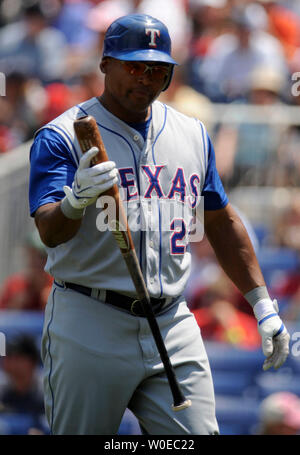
(28, 290)
(90, 82)
(245, 57)
(288, 167)
(233, 56)
(34, 46)
(59, 97)
(287, 235)
(245, 153)
(187, 100)
(284, 24)
(279, 414)
(292, 309)
(21, 392)
(287, 231)
(70, 19)
(16, 113)
(7, 139)
(207, 22)
(294, 6)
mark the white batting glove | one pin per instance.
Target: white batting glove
(90, 182)
(275, 337)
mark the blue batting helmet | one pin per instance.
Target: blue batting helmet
(139, 37)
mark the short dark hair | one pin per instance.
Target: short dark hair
(34, 11)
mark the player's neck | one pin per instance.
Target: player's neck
(122, 113)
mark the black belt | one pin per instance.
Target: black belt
(132, 305)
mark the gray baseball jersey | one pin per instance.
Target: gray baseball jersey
(160, 175)
(99, 360)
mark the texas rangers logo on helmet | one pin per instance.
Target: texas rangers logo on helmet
(154, 33)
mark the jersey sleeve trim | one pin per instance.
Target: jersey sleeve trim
(48, 200)
(68, 140)
(205, 144)
(81, 108)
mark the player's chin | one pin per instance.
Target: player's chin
(141, 99)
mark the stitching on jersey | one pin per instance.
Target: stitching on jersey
(50, 372)
(159, 212)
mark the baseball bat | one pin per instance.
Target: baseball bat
(88, 136)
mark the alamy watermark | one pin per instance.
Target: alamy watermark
(2, 84)
(295, 348)
(2, 344)
(296, 86)
(156, 215)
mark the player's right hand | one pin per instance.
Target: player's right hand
(90, 182)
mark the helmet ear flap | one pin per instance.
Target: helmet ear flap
(169, 78)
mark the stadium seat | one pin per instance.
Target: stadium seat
(278, 381)
(227, 429)
(262, 232)
(16, 424)
(276, 262)
(236, 415)
(223, 357)
(14, 322)
(231, 383)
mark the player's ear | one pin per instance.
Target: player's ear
(103, 65)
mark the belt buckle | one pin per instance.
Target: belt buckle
(132, 307)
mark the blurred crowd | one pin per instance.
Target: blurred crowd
(231, 52)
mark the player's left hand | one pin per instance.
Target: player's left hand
(275, 337)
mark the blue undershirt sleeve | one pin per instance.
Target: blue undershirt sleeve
(51, 167)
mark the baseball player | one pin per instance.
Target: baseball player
(98, 351)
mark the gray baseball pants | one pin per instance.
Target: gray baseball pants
(99, 360)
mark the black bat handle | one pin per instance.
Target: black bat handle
(180, 402)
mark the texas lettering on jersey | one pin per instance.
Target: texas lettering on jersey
(153, 173)
(175, 208)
